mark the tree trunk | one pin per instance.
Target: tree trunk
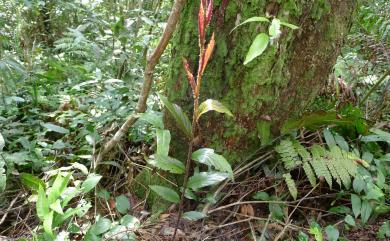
(272, 88)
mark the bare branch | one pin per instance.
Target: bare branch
(151, 63)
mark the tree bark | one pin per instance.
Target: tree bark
(274, 87)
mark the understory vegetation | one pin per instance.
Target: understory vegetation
(94, 146)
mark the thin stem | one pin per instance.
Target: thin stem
(188, 164)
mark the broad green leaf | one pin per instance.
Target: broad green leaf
(48, 222)
(80, 211)
(274, 29)
(166, 193)
(101, 226)
(163, 140)
(154, 118)
(194, 216)
(340, 209)
(214, 105)
(56, 207)
(122, 204)
(350, 220)
(257, 48)
(384, 230)
(289, 25)
(316, 230)
(167, 163)
(2, 142)
(366, 211)
(303, 236)
(263, 196)
(250, 20)
(358, 184)
(356, 204)
(179, 116)
(58, 187)
(383, 134)
(129, 221)
(55, 128)
(374, 193)
(208, 157)
(332, 233)
(90, 183)
(31, 181)
(68, 194)
(42, 205)
(276, 211)
(204, 179)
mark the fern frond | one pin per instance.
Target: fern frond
(319, 165)
(349, 162)
(291, 185)
(330, 163)
(306, 157)
(289, 156)
(309, 173)
(337, 160)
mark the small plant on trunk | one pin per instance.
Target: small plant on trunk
(219, 168)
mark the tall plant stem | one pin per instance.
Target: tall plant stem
(188, 164)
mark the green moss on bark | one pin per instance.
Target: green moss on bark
(279, 83)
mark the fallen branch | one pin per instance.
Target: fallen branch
(151, 62)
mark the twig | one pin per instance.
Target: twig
(151, 63)
(9, 208)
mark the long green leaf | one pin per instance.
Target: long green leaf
(179, 116)
(166, 193)
(31, 181)
(154, 118)
(48, 222)
(250, 20)
(204, 179)
(91, 181)
(208, 157)
(42, 205)
(59, 185)
(167, 163)
(289, 25)
(55, 128)
(214, 105)
(257, 48)
(194, 215)
(163, 140)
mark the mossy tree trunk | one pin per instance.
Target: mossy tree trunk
(275, 86)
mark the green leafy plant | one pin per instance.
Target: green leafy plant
(262, 40)
(219, 167)
(53, 199)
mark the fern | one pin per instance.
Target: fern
(338, 159)
(319, 165)
(333, 164)
(289, 156)
(291, 185)
(306, 157)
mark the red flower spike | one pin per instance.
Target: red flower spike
(190, 76)
(208, 53)
(201, 25)
(209, 12)
(203, 2)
